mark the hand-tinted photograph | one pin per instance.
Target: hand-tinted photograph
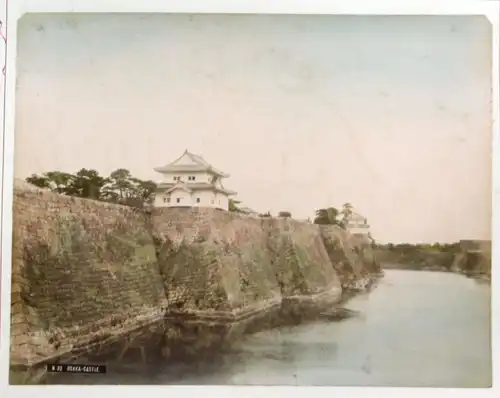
(252, 200)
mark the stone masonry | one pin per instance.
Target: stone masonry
(82, 271)
(87, 272)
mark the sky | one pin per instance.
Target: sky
(389, 113)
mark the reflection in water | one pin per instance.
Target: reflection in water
(417, 329)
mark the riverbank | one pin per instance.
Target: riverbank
(471, 258)
(480, 276)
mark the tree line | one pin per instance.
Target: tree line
(119, 187)
(326, 216)
(411, 248)
(418, 256)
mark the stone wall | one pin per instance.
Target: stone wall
(87, 273)
(364, 248)
(341, 252)
(212, 260)
(215, 261)
(302, 265)
(83, 272)
(351, 256)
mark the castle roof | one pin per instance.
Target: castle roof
(193, 186)
(190, 162)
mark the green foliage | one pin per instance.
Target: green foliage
(119, 187)
(409, 248)
(328, 216)
(234, 205)
(420, 255)
(87, 184)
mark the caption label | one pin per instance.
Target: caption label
(74, 368)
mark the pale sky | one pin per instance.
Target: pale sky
(391, 114)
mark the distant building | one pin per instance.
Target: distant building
(190, 181)
(358, 225)
(475, 245)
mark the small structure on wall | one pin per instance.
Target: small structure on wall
(190, 181)
(358, 225)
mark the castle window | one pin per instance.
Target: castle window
(178, 200)
(192, 178)
(168, 199)
(197, 200)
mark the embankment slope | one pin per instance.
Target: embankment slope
(469, 257)
(87, 273)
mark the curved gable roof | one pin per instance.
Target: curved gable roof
(179, 186)
(198, 163)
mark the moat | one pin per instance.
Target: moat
(416, 328)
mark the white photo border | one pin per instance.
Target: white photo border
(16, 8)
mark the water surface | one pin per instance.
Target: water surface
(417, 328)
